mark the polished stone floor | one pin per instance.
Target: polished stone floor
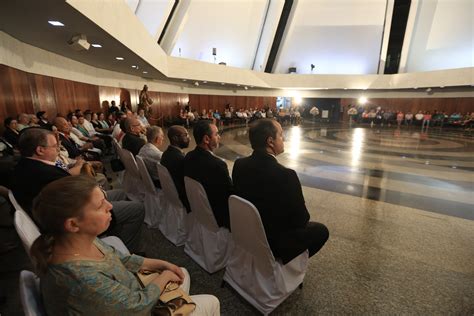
(399, 205)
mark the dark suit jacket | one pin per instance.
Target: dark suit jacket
(212, 173)
(70, 146)
(132, 143)
(11, 137)
(276, 192)
(173, 160)
(29, 177)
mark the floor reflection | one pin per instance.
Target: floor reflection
(431, 170)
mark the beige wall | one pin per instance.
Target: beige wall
(34, 60)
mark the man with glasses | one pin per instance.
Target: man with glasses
(211, 171)
(36, 168)
(132, 140)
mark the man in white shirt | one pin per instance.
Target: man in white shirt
(151, 153)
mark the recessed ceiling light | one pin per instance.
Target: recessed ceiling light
(345, 88)
(96, 45)
(134, 66)
(441, 87)
(119, 58)
(55, 23)
(145, 72)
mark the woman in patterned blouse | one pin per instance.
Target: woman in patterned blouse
(79, 273)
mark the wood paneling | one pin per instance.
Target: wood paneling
(42, 93)
(22, 92)
(207, 102)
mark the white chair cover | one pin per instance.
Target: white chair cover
(26, 229)
(153, 197)
(30, 294)
(207, 244)
(174, 221)
(132, 182)
(116, 243)
(24, 225)
(252, 269)
(118, 150)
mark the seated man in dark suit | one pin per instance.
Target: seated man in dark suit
(132, 140)
(173, 160)
(276, 192)
(36, 168)
(211, 171)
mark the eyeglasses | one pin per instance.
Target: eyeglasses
(46, 146)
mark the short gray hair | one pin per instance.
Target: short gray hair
(152, 133)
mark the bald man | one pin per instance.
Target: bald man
(173, 160)
(132, 140)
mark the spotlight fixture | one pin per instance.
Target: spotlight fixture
(428, 90)
(96, 45)
(223, 83)
(145, 72)
(345, 88)
(196, 83)
(55, 23)
(246, 88)
(184, 80)
(119, 58)
(134, 66)
(204, 81)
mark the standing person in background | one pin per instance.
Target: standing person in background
(113, 107)
(426, 119)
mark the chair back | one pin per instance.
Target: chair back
(30, 294)
(24, 225)
(13, 201)
(247, 229)
(26, 229)
(200, 206)
(145, 175)
(129, 163)
(168, 187)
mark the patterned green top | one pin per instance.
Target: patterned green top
(107, 287)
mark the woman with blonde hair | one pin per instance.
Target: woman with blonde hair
(79, 273)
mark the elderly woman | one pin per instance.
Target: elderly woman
(79, 273)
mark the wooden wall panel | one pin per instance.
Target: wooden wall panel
(86, 97)
(42, 93)
(65, 97)
(200, 102)
(22, 92)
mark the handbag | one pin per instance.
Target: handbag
(173, 300)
